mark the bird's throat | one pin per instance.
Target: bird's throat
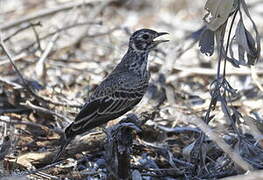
(139, 63)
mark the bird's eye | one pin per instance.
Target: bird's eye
(145, 36)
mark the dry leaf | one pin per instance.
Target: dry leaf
(187, 151)
(218, 12)
(246, 44)
(207, 42)
(257, 37)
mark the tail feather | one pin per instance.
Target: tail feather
(68, 136)
(61, 150)
(68, 131)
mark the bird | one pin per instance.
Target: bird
(120, 91)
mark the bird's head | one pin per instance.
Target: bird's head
(143, 39)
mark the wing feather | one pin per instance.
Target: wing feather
(105, 105)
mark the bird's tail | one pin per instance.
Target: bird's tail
(67, 137)
(61, 149)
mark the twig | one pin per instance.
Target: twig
(15, 58)
(40, 66)
(14, 110)
(103, 33)
(60, 30)
(46, 12)
(47, 176)
(92, 15)
(211, 72)
(22, 29)
(177, 129)
(40, 169)
(44, 110)
(22, 54)
(9, 83)
(37, 37)
(2, 44)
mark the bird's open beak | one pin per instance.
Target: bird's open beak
(160, 41)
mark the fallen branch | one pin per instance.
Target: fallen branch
(90, 143)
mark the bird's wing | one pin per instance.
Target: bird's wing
(105, 104)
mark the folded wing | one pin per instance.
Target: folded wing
(101, 110)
